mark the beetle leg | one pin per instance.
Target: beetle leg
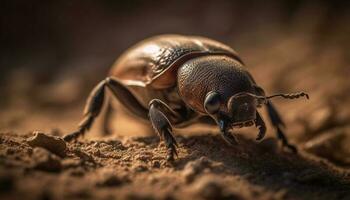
(126, 98)
(95, 102)
(226, 135)
(229, 138)
(92, 109)
(260, 124)
(162, 126)
(279, 124)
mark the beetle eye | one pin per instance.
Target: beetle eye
(212, 102)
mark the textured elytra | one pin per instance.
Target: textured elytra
(150, 60)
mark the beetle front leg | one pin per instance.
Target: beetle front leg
(162, 126)
(279, 124)
(226, 135)
(260, 124)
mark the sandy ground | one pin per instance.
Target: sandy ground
(130, 164)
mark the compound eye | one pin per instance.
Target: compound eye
(212, 102)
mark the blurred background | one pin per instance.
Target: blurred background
(52, 53)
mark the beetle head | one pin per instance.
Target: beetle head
(238, 111)
(220, 87)
(240, 108)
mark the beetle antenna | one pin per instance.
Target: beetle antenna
(290, 96)
(263, 99)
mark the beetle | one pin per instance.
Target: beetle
(176, 80)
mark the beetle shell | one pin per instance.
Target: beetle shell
(154, 62)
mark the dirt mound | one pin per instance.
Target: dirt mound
(135, 168)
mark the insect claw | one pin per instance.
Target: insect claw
(72, 136)
(260, 135)
(170, 153)
(262, 130)
(170, 158)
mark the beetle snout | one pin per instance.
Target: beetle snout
(242, 110)
(244, 113)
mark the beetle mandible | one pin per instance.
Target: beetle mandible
(175, 80)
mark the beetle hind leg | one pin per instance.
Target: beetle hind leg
(92, 110)
(96, 100)
(279, 125)
(162, 126)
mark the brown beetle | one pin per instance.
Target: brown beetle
(175, 80)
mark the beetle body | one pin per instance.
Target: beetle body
(173, 79)
(150, 67)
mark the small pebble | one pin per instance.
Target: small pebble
(53, 144)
